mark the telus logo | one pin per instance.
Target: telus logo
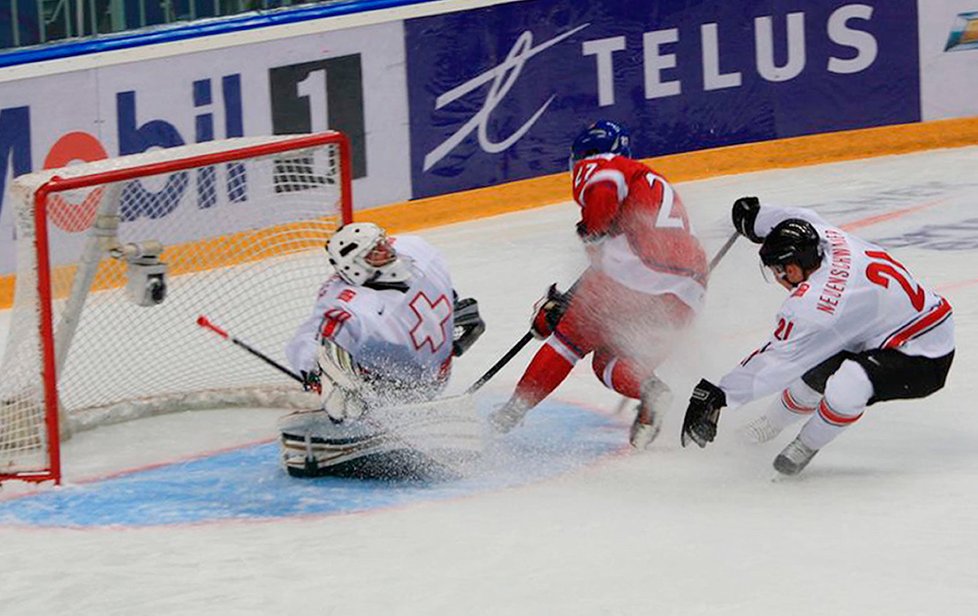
(858, 51)
(656, 59)
(501, 79)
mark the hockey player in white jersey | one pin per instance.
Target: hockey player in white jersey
(384, 328)
(857, 329)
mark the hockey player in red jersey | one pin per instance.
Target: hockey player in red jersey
(645, 282)
(857, 329)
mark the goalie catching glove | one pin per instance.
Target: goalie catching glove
(341, 387)
(700, 423)
(548, 311)
(468, 325)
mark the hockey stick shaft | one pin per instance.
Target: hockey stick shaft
(510, 354)
(207, 324)
(723, 250)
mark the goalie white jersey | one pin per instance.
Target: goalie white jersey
(860, 298)
(399, 333)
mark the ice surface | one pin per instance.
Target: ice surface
(884, 520)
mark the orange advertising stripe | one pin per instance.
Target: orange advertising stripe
(547, 190)
(689, 166)
(203, 255)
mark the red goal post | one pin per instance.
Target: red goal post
(117, 258)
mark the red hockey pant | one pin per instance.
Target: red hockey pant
(630, 334)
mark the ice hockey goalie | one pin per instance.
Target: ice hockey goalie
(378, 348)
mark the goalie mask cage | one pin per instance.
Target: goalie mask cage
(117, 258)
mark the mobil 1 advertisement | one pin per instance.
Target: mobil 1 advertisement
(497, 94)
(348, 80)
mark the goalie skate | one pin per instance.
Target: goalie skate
(436, 439)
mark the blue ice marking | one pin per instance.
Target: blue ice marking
(248, 483)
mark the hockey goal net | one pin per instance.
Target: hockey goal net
(116, 259)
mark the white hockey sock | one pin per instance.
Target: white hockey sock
(846, 394)
(795, 403)
(787, 409)
(817, 432)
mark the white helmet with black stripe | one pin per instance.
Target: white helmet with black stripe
(361, 254)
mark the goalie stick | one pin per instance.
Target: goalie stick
(207, 324)
(407, 440)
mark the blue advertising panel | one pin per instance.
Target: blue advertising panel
(497, 94)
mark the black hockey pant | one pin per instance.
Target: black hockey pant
(894, 375)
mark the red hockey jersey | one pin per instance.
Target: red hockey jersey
(641, 233)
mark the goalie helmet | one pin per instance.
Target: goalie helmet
(361, 253)
(602, 137)
(792, 241)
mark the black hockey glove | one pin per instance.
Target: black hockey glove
(468, 325)
(548, 311)
(700, 424)
(311, 382)
(744, 216)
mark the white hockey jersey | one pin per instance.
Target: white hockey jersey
(860, 298)
(404, 336)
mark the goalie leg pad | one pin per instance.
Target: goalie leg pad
(337, 365)
(341, 404)
(435, 438)
(342, 388)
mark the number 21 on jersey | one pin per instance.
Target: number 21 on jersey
(884, 269)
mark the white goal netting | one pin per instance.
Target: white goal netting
(131, 252)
